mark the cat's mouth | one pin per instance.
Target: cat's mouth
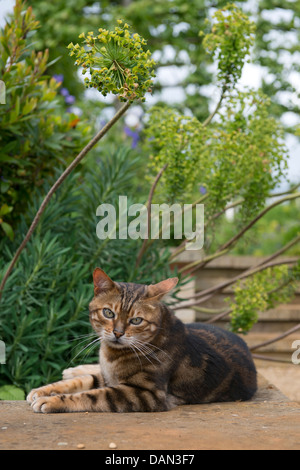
(116, 342)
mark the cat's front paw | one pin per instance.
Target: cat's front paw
(39, 392)
(49, 404)
(33, 395)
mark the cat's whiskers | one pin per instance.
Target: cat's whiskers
(86, 338)
(83, 349)
(146, 343)
(136, 354)
(149, 346)
(138, 348)
(144, 350)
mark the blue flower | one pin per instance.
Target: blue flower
(64, 92)
(202, 190)
(58, 77)
(70, 99)
(134, 134)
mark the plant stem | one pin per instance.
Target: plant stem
(224, 248)
(272, 359)
(277, 338)
(198, 298)
(57, 184)
(205, 260)
(212, 115)
(144, 245)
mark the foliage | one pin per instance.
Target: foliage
(172, 29)
(277, 51)
(166, 25)
(276, 229)
(260, 293)
(238, 155)
(178, 141)
(51, 286)
(229, 42)
(11, 392)
(247, 155)
(36, 132)
(242, 155)
(117, 62)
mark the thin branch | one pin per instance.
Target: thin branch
(276, 338)
(181, 247)
(219, 317)
(207, 259)
(224, 314)
(291, 190)
(212, 115)
(258, 217)
(209, 311)
(282, 250)
(232, 205)
(271, 359)
(200, 264)
(215, 289)
(151, 194)
(57, 184)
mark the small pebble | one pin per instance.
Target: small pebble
(4, 427)
(80, 446)
(62, 443)
(112, 445)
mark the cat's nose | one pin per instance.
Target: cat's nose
(118, 333)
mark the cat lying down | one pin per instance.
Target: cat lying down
(149, 359)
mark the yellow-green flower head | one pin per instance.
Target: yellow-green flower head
(117, 61)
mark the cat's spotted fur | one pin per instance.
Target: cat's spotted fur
(149, 360)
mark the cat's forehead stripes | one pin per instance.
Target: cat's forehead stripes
(130, 293)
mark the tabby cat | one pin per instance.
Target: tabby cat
(149, 360)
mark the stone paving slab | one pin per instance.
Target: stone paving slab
(269, 421)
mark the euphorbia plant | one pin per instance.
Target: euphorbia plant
(124, 69)
(117, 62)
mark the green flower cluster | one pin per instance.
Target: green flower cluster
(180, 141)
(241, 155)
(260, 293)
(117, 62)
(230, 41)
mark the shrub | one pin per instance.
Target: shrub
(44, 310)
(36, 132)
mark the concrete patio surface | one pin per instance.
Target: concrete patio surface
(269, 421)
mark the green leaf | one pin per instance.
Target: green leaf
(30, 105)
(5, 209)
(11, 392)
(8, 230)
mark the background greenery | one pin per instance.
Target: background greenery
(48, 118)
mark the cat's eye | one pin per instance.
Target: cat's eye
(136, 320)
(108, 313)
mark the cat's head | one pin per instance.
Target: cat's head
(126, 313)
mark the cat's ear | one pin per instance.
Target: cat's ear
(162, 288)
(102, 282)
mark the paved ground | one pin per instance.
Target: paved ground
(269, 421)
(286, 377)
